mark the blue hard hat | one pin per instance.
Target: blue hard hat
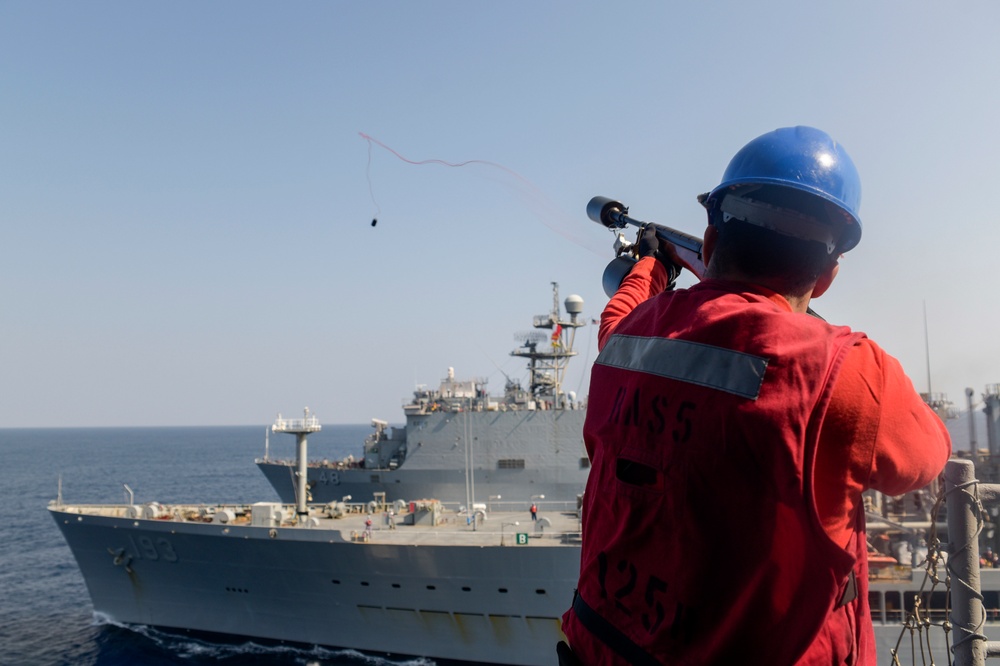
(804, 159)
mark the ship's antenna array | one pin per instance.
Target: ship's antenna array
(547, 363)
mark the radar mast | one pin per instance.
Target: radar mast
(549, 355)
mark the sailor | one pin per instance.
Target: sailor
(368, 528)
(728, 412)
(534, 511)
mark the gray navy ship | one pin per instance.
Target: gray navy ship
(459, 442)
(399, 552)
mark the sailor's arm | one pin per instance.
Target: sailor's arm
(912, 444)
(646, 279)
(877, 433)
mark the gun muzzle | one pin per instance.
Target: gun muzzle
(607, 212)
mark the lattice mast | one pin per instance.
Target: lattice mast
(548, 356)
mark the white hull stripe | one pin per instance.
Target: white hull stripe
(693, 362)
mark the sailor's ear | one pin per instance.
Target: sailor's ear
(708, 244)
(825, 279)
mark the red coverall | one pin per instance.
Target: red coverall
(874, 431)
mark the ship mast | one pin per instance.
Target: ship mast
(301, 429)
(548, 356)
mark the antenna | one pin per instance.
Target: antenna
(528, 337)
(927, 350)
(547, 362)
(969, 394)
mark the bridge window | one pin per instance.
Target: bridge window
(875, 602)
(991, 603)
(510, 463)
(893, 607)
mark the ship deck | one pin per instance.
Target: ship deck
(419, 528)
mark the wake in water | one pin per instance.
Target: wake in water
(193, 650)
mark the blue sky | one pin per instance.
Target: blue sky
(185, 200)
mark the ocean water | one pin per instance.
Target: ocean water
(45, 613)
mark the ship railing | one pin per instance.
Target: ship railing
(103, 510)
(197, 512)
(310, 424)
(516, 506)
(156, 510)
(966, 498)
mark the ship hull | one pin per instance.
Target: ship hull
(451, 599)
(487, 604)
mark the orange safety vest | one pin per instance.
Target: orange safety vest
(701, 542)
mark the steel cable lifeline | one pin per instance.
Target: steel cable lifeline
(916, 624)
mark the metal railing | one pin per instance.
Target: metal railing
(310, 424)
